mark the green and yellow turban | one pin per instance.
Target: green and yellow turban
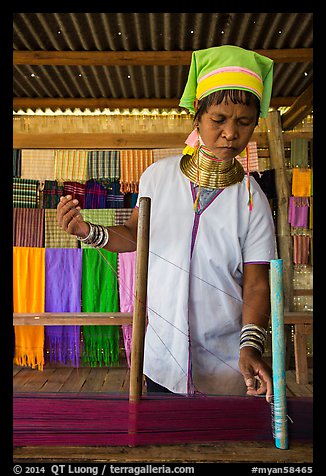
(228, 67)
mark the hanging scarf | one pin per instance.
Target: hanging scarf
(100, 294)
(301, 182)
(127, 269)
(95, 195)
(28, 291)
(37, 164)
(76, 190)
(299, 152)
(301, 244)
(133, 163)
(103, 164)
(298, 211)
(63, 266)
(70, 165)
(24, 193)
(55, 237)
(16, 164)
(51, 194)
(28, 227)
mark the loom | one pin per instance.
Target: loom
(169, 428)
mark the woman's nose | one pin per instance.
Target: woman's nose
(230, 131)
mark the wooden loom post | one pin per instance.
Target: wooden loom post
(278, 355)
(140, 301)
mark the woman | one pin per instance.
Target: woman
(211, 237)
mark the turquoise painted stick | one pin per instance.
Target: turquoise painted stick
(278, 355)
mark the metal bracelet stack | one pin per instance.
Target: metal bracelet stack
(98, 236)
(253, 336)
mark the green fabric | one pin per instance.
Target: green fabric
(205, 61)
(100, 294)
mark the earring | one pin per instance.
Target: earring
(193, 138)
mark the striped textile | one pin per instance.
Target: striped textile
(253, 158)
(76, 190)
(16, 163)
(37, 164)
(95, 195)
(104, 216)
(299, 152)
(122, 215)
(301, 182)
(301, 244)
(25, 193)
(55, 237)
(51, 194)
(163, 153)
(115, 198)
(28, 227)
(103, 164)
(133, 163)
(70, 165)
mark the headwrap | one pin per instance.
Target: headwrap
(228, 67)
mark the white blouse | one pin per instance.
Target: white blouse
(195, 278)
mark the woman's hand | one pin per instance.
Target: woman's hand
(69, 217)
(256, 373)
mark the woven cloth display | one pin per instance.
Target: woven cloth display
(133, 163)
(301, 182)
(127, 270)
(51, 194)
(103, 164)
(28, 295)
(24, 193)
(70, 165)
(100, 294)
(28, 227)
(62, 266)
(37, 164)
(55, 237)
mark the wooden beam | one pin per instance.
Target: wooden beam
(301, 107)
(98, 140)
(137, 58)
(102, 140)
(111, 103)
(72, 319)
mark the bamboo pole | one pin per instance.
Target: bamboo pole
(139, 315)
(278, 355)
(284, 241)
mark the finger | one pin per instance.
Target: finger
(69, 218)
(66, 205)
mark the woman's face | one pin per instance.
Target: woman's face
(226, 128)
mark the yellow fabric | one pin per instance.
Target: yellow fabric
(301, 182)
(228, 80)
(28, 292)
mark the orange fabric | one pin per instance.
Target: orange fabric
(28, 291)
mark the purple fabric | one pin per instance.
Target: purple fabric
(63, 272)
(298, 211)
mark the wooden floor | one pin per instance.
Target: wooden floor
(106, 380)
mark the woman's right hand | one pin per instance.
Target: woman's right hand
(69, 217)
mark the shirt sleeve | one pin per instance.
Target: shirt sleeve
(259, 245)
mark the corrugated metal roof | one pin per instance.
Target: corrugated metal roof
(149, 32)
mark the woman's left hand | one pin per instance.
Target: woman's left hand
(256, 371)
